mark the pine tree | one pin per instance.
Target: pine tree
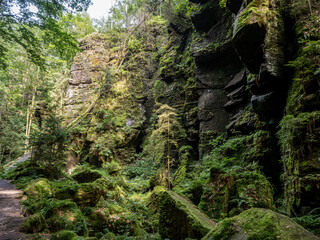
(49, 144)
(166, 137)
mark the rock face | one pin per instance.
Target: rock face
(242, 82)
(258, 223)
(300, 154)
(225, 71)
(217, 64)
(87, 72)
(105, 102)
(178, 217)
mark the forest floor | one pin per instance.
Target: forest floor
(10, 212)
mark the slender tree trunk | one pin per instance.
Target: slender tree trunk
(168, 154)
(29, 119)
(127, 18)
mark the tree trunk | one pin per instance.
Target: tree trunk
(29, 119)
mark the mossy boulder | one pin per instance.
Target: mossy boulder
(85, 194)
(88, 195)
(64, 215)
(97, 220)
(39, 189)
(159, 179)
(64, 235)
(235, 191)
(258, 223)
(177, 217)
(86, 176)
(255, 187)
(34, 224)
(26, 171)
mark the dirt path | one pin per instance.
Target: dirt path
(10, 212)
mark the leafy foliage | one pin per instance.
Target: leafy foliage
(310, 221)
(49, 144)
(166, 136)
(22, 27)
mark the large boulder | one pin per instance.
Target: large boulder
(178, 218)
(234, 192)
(85, 194)
(258, 223)
(39, 189)
(86, 175)
(64, 215)
(64, 235)
(34, 224)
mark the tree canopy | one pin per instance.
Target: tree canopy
(32, 23)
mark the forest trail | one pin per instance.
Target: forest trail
(10, 212)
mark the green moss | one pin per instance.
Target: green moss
(97, 221)
(184, 161)
(158, 89)
(248, 116)
(223, 231)
(160, 178)
(86, 175)
(255, 189)
(178, 218)
(259, 224)
(255, 12)
(306, 65)
(39, 189)
(64, 215)
(296, 136)
(64, 235)
(85, 194)
(234, 184)
(34, 224)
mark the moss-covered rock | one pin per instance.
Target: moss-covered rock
(232, 188)
(257, 223)
(34, 224)
(97, 220)
(177, 217)
(64, 215)
(86, 175)
(249, 33)
(39, 189)
(64, 235)
(85, 194)
(88, 195)
(159, 179)
(299, 135)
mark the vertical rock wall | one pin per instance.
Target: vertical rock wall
(87, 74)
(217, 64)
(242, 53)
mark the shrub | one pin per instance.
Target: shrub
(49, 144)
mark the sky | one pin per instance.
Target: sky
(100, 8)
